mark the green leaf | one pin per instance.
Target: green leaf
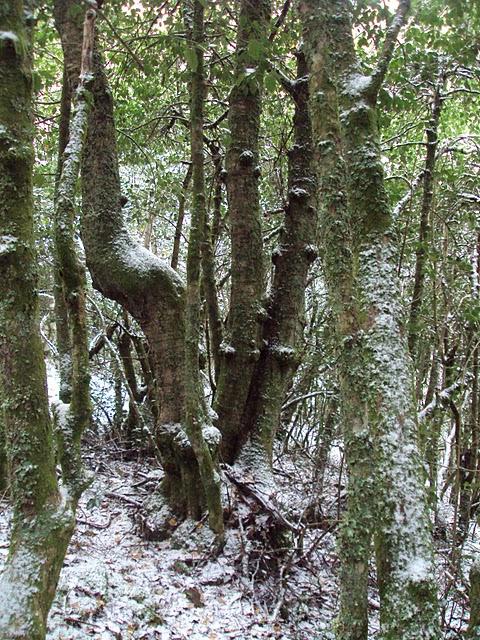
(270, 81)
(255, 49)
(37, 82)
(191, 58)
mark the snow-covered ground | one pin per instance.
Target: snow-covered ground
(117, 585)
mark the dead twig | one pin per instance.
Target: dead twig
(247, 489)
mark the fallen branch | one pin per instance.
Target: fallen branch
(95, 525)
(119, 496)
(247, 489)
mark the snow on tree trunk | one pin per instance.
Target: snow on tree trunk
(386, 495)
(124, 270)
(43, 512)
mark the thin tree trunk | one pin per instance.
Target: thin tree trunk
(180, 216)
(196, 416)
(474, 624)
(421, 252)
(71, 278)
(215, 325)
(62, 325)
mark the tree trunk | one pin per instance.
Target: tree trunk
(241, 345)
(196, 415)
(125, 271)
(215, 325)
(44, 516)
(282, 332)
(386, 496)
(70, 277)
(421, 252)
(181, 215)
(62, 326)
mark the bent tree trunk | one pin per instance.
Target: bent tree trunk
(43, 515)
(386, 487)
(124, 270)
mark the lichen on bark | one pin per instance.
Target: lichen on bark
(43, 512)
(386, 496)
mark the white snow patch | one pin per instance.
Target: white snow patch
(7, 244)
(356, 84)
(418, 570)
(9, 35)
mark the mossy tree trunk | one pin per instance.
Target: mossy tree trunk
(196, 415)
(74, 418)
(214, 317)
(473, 632)
(282, 329)
(3, 459)
(43, 515)
(259, 349)
(241, 344)
(62, 326)
(125, 271)
(386, 495)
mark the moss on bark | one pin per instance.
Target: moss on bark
(241, 346)
(125, 271)
(43, 515)
(386, 496)
(196, 415)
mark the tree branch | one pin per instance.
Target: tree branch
(386, 53)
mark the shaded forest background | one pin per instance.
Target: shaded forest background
(269, 265)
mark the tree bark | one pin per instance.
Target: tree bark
(424, 228)
(74, 417)
(241, 345)
(386, 496)
(215, 325)
(197, 420)
(181, 215)
(44, 515)
(62, 326)
(125, 271)
(282, 330)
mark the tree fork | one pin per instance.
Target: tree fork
(282, 330)
(241, 346)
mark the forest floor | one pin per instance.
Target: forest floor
(115, 585)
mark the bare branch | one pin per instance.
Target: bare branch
(280, 20)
